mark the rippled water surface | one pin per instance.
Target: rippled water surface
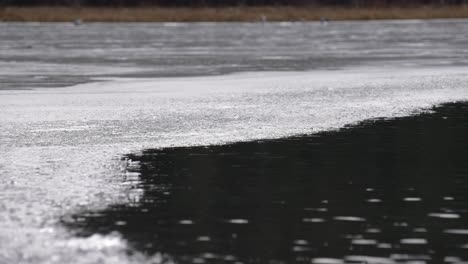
(383, 191)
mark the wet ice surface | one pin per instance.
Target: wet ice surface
(62, 148)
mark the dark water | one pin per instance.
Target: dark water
(383, 191)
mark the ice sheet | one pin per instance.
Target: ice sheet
(61, 148)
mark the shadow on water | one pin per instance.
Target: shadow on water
(383, 191)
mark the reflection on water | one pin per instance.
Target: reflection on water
(384, 191)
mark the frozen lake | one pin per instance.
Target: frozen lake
(75, 100)
(35, 54)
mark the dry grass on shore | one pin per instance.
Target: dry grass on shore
(158, 14)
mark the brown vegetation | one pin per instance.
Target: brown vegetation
(273, 13)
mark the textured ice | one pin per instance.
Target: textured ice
(61, 148)
(45, 54)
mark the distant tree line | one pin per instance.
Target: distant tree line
(202, 3)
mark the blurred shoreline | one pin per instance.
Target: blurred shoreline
(225, 14)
